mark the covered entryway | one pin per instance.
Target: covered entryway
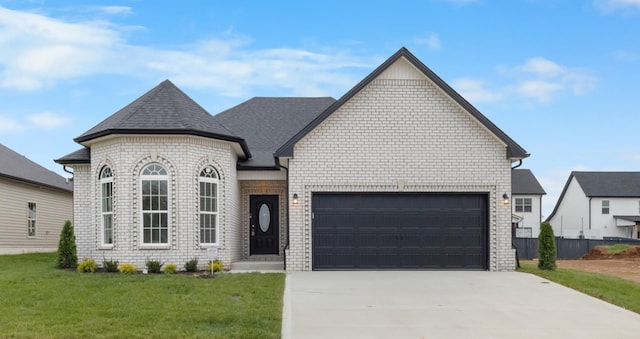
(399, 231)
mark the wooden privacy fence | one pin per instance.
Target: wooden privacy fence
(567, 249)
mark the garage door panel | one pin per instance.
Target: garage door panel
(401, 231)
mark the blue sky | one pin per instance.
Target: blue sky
(559, 76)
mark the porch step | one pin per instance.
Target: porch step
(257, 266)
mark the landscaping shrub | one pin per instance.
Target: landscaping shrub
(110, 265)
(67, 253)
(154, 266)
(546, 248)
(215, 265)
(87, 266)
(191, 265)
(127, 268)
(170, 269)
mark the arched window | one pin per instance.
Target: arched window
(155, 205)
(208, 184)
(106, 188)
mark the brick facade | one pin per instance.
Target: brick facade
(183, 157)
(400, 135)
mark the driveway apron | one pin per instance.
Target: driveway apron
(445, 304)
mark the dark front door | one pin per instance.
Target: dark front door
(263, 225)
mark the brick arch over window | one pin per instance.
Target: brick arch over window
(141, 164)
(221, 194)
(100, 212)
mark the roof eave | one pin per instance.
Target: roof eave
(243, 144)
(36, 183)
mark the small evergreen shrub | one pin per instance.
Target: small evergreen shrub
(67, 253)
(170, 268)
(215, 265)
(110, 265)
(546, 248)
(127, 268)
(87, 266)
(191, 265)
(154, 266)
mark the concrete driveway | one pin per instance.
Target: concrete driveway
(443, 304)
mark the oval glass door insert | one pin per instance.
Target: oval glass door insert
(264, 217)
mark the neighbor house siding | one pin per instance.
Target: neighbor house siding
(571, 220)
(400, 135)
(53, 208)
(531, 219)
(606, 223)
(183, 157)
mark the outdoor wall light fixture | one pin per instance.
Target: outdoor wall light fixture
(295, 198)
(505, 198)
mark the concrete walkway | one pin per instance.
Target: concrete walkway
(444, 304)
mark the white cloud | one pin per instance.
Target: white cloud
(540, 90)
(542, 67)
(47, 120)
(40, 51)
(609, 6)
(476, 91)
(8, 125)
(626, 56)
(431, 40)
(116, 10)
(462, 2)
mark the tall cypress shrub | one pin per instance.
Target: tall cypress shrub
(546, 248)
(67, 256)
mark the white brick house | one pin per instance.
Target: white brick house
(401, 172)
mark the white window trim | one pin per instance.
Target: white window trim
(217, 213)
(103, 244)
(523, 205)
(34, 220)
(166, 178)
(608, 207)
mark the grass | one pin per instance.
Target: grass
(38, 300)
(617, 248)
(617, 291)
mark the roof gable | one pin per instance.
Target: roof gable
(524, 182)
(165, 109)
(514, 151)
(18, 167)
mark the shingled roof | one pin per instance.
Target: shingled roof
(609, 184)
(165, 109)
(18, 167)
(524, 182)
(267, 123)
(514, 151)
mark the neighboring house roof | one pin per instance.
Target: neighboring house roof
(514, 151)
(18, 167)
(267, 123)
(165, 109)
(603, 185)
(524, 182)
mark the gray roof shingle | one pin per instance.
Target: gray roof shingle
(81, 156)
(165, 109)
(609, 184)
(514, 151)
(267, 123)
(18, 167)
(524, 182)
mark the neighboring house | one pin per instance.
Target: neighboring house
(526, 200)
(401, 172)
(598, 204)
(34, 204)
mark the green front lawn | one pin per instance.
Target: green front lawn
(38, 300)
(621, 292)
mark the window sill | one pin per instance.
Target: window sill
(209, 245)
(105, 247)
(155, 247)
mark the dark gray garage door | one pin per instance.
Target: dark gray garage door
(399, 231)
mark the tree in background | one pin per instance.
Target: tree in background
(67, 255)
(546, 248)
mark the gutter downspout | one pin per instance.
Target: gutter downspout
(590, 212)
(64, 168)
(518, 165)
(512, 244)
(286, 246)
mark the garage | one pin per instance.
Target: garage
(371, 231)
